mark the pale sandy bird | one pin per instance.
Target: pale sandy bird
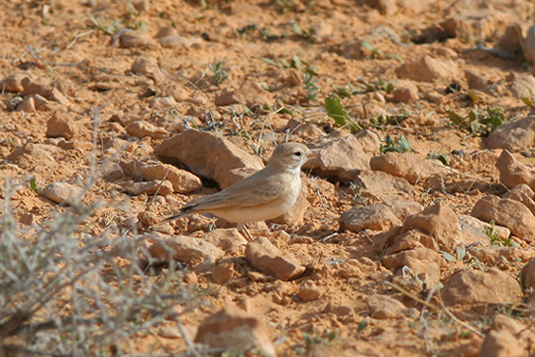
(264, 195)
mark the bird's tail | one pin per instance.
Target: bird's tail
(185, 211)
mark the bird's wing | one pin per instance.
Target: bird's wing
(248, 192)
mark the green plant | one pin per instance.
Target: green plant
(465, 334)
(347, 91)
(377, 53)
(401, 145)
(326, 339)
(444, 158)
(32, 185)
(460, 254)
(219, 72)
(137, 25)
(529, 101)
(335, 109)
(495, 238)
(479, 122)
(110, 29)
(309, 83)
(362, 325)
(294, 62)
(286, 5)
(298, 30)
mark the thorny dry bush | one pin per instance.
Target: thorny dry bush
(67, 293)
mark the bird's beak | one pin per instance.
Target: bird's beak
(312, 160)
(313, 154)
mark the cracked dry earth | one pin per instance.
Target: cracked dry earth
(421, 253)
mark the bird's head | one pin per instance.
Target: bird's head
(290, 156)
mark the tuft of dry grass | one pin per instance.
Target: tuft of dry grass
(69, 293)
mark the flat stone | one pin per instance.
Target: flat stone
(342, 156)
(508, 213)
(470, 22)
(267, 258)
(402, 208)
(224, 271)
(182, 181)
(408, 166)
(163, 103)
(184, 249)
(521, 85)
(511, 40)
(404, 91)
(384, 307)
(250, 93)
(27, 105)
(376, 217)
(28, 155)
(153, 187)
(496, 255)
(228, 239)
(62, 192)
(141, 129)
(149, 67)
(136, 38)
(475, 230)
(305, 130)
(524, 194)
(514, 136)
(428, 69)
(424, 263)
(409, 240)
(33, 87)
(382, 185)
(476, 80)
(474, 287)
(513, 173)
(234, 329)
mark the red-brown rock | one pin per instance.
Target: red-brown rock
(508, 213)
(234, 329)
(264, 256)
(209, 155)
(513, 173)
(376, 217)
(409, 166)
(474, 287)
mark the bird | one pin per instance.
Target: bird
(264, 195)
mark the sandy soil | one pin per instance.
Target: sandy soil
(273, 43)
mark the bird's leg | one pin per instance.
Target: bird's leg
(245, 232)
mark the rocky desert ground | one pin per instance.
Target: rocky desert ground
(411, 237)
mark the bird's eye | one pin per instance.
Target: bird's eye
(297, 153)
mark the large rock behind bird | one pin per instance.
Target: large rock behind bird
(342, 156)
(209, 155)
